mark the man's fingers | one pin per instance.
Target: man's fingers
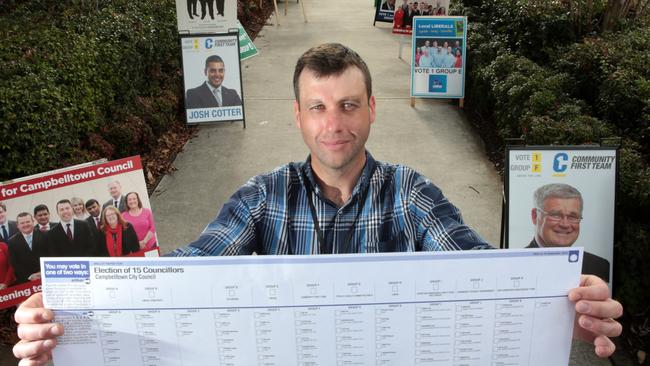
(604, 347)
(33, 316)
(34, 332)
(37, 361)
(32, 311)
(34, 351)
(591, 288)
(606, 327)
(600, 309)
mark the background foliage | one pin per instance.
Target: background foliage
(82, 80)
(548, 71)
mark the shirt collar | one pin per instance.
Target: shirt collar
(212, 88)
(361, 184)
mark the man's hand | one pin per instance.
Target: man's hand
(595, 314)
(36, 332)
(34, 276)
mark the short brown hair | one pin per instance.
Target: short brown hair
(120, 220)
(330, 59)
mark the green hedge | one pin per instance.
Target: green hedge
(557, 86)
(76, 81)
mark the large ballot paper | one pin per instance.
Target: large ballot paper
(490, 307)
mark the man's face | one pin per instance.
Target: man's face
(334, 115)
(215, 72)
(3, 215)
(557, 233)
(65, 211)
(25, 224)
(426, 43)
(42, 217)
(115, 190)
(94, 209)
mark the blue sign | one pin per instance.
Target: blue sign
(560, 162)
(435, 28)
(437, 83)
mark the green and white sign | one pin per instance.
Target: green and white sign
(246, 47)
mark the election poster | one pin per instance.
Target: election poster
(206, 16)
(96, 209)
(438, 57)
(246, 47)
(212, 78)
(404, 12)
(562, 197)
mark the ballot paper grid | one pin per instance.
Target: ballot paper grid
(467, 308)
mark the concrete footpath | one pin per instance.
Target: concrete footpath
(433, 138)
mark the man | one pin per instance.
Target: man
(456, 47)
(26, 249)
(208, 4)
(94, 221)
(557, 215)
(117, 199)
(211, 93)
(71, 237)
(438, 57)
(191, 8)
(427, 46)
(449, 59)
(426, 60)
(220, 4)
(7, 227)
(424, 8)
(42, 216)
(339, 201)
(388, 5)
(94, 218)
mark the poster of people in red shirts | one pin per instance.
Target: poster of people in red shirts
(402, 12)
(97, 209)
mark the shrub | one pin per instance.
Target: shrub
(552, 88)
(70, 82)
(532, 29)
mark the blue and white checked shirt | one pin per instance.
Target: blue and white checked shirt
(270, 214)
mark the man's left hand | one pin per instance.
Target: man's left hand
(595, 314)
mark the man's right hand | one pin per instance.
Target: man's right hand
(36, 332)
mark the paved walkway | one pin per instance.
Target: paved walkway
(433, 137)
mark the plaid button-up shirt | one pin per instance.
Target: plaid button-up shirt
(402, 211)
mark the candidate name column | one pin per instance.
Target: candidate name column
(314, 329)
(355, 331)
(434, 322)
